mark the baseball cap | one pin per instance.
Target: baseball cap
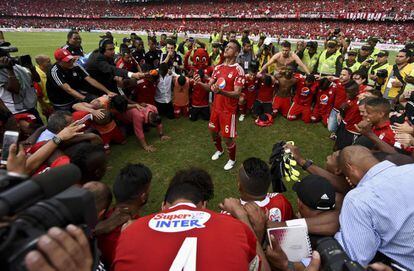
(366, 48)
(126, 40)
(373, 39)
(331, 43)
(382, 53)
(4, 44)
(353, 52)
(316, 192)
(191, 39)
(63, 55)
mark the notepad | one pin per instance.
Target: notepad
(293, 240)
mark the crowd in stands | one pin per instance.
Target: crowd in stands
(220, 8)
(73, 108)
(390, 32)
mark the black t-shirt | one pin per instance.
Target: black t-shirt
(152, 59)
(74, 51)
(176, 60)
(139, 57)
(57, 76)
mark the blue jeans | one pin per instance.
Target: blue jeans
(333, 121)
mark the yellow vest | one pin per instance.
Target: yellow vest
(215, 38)
(271, 68)
(410, 87)
(354, 67)
(310, 62)
(42, 84)
(327, 65)
(215, 61)
(388, 90)
(255, 48)
(374, 71)
(374, 52)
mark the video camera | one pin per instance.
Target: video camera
(6, 49)
(30, 208)
(333, 256)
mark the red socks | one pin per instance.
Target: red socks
(217, 143)
(232, 151)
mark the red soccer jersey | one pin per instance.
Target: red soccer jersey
(340, 95)
(186, 237)
(278, 207)
(265, 93)
(324, 101)
(145, 91)
(304, 94)
(352, 115)
(227, 78)
(199, 96)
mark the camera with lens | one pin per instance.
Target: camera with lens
(334, 257)
(370, 61)
(6, 49)
(30, 208)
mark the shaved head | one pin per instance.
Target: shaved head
(101, 193)
(355, 161)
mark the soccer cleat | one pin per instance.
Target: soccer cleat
(241, 118)
(229, 165)
(216, 155)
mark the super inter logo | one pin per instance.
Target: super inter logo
(179, 221)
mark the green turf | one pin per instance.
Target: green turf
(190, 144)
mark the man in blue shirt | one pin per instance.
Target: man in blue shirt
(378, 214)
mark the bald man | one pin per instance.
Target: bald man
(377, 216)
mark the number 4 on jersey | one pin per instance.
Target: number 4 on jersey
(186, 256)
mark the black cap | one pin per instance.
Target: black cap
(366, 48)
(126, 40)
(4, 44)
(107, 35)
(382, 53)
(352, 52)
(316, 193)
(331, 43)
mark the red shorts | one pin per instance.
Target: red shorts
(115, 136)
(180, 111)
(225, 123)
(281, 105)
(249, 97)
(296, 110)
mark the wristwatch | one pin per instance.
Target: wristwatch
(57, 140)
(307, 164)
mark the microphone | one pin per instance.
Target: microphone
(42, 186)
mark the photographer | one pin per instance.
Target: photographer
(16, 84)
(395, 83)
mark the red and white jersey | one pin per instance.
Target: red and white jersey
(325, 101)
(276, 205)
(121, 64)
(227, 77)
(304, 94)
(186, 238)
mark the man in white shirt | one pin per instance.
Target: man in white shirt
(163, 94)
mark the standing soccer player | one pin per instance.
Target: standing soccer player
(226, 83)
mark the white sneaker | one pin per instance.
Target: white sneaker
(229, 165)
(216, 155)
(241, 118)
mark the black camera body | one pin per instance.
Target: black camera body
(24, 60)
(19, 234)
(333, 256)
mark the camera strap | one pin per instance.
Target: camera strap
(399, 77)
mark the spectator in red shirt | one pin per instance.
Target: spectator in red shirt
(253, 183)
(131, 190)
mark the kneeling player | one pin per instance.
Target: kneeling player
(281, 102)
(306, 88)
(263, 103)
(253, 182)
(249, 93)
(324, 101)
